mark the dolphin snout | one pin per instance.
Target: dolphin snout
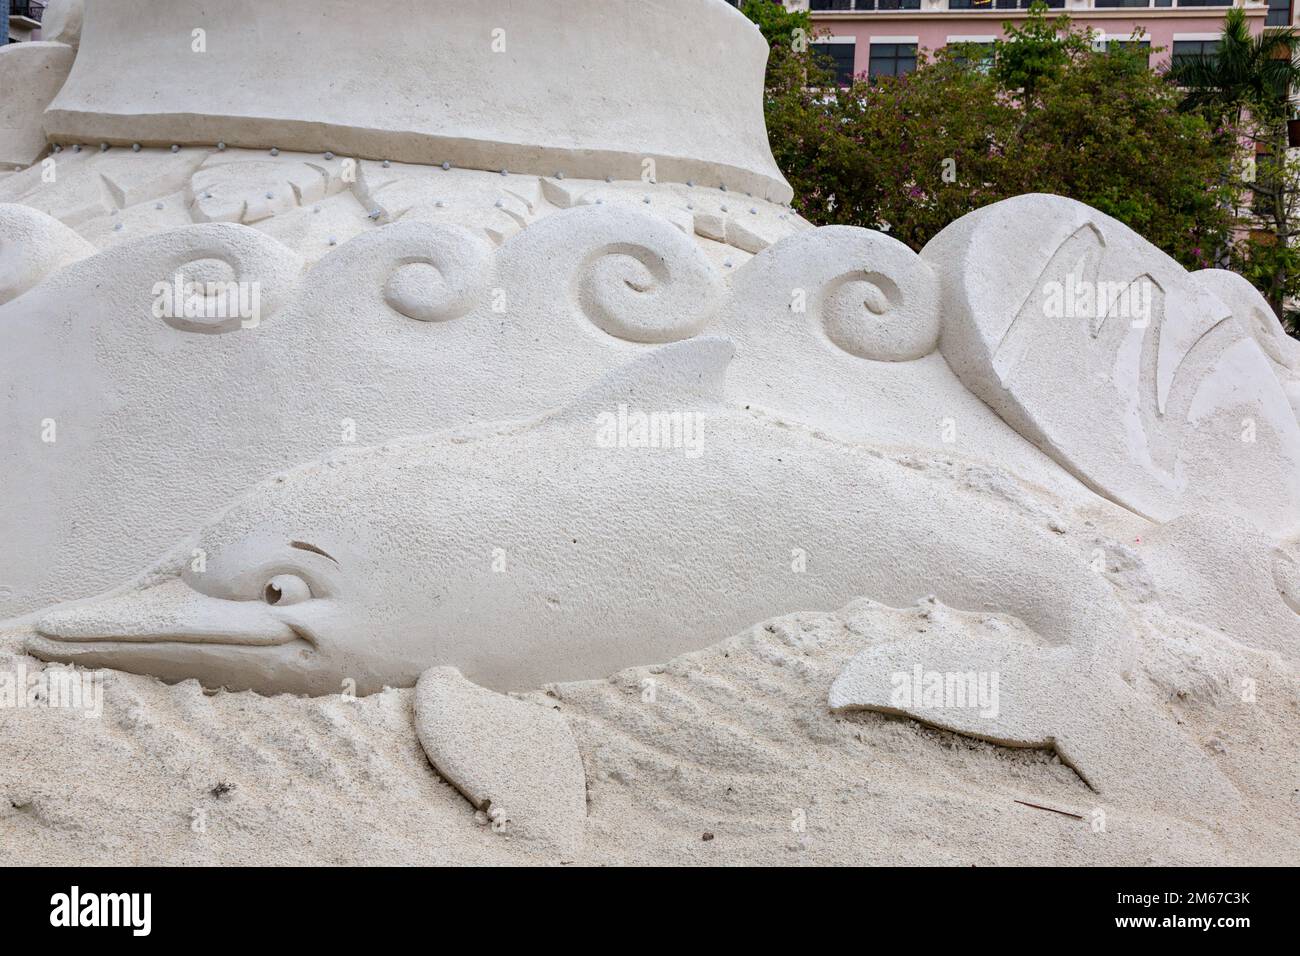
(171, 612)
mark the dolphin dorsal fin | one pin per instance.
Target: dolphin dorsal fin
(683, 375)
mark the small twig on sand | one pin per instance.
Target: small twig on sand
(1064, 813)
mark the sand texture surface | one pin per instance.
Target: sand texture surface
(726, 756)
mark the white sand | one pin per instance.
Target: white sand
(738, 743)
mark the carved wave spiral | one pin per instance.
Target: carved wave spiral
(633, 275)
(887, 312)
(214, 277)
(634, 293)
(439, 273)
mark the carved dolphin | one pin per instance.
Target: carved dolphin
(570, 546)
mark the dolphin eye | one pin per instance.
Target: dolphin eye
(286, 589)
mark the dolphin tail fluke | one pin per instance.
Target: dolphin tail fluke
(1023, 695)
(1006, 693)
(515, 761)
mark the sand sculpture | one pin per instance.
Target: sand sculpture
(510, 393)
(522, 586)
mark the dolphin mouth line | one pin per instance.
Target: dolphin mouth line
(47, 646)
(121, 642)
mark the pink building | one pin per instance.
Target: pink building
(883, 37)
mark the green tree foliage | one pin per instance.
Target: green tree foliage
(910, 154)
(1243, 90)
(1245, 75)
(801, 127)
(1036, 53)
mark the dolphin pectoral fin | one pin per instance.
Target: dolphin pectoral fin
(516, 761)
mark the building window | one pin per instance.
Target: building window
(1122, 3)
(31, 9)
(1279, 13)
(837, 57)
(843, 5)
(891, 59)
(1185, 49)
(1000, 4)
(1205, 3)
